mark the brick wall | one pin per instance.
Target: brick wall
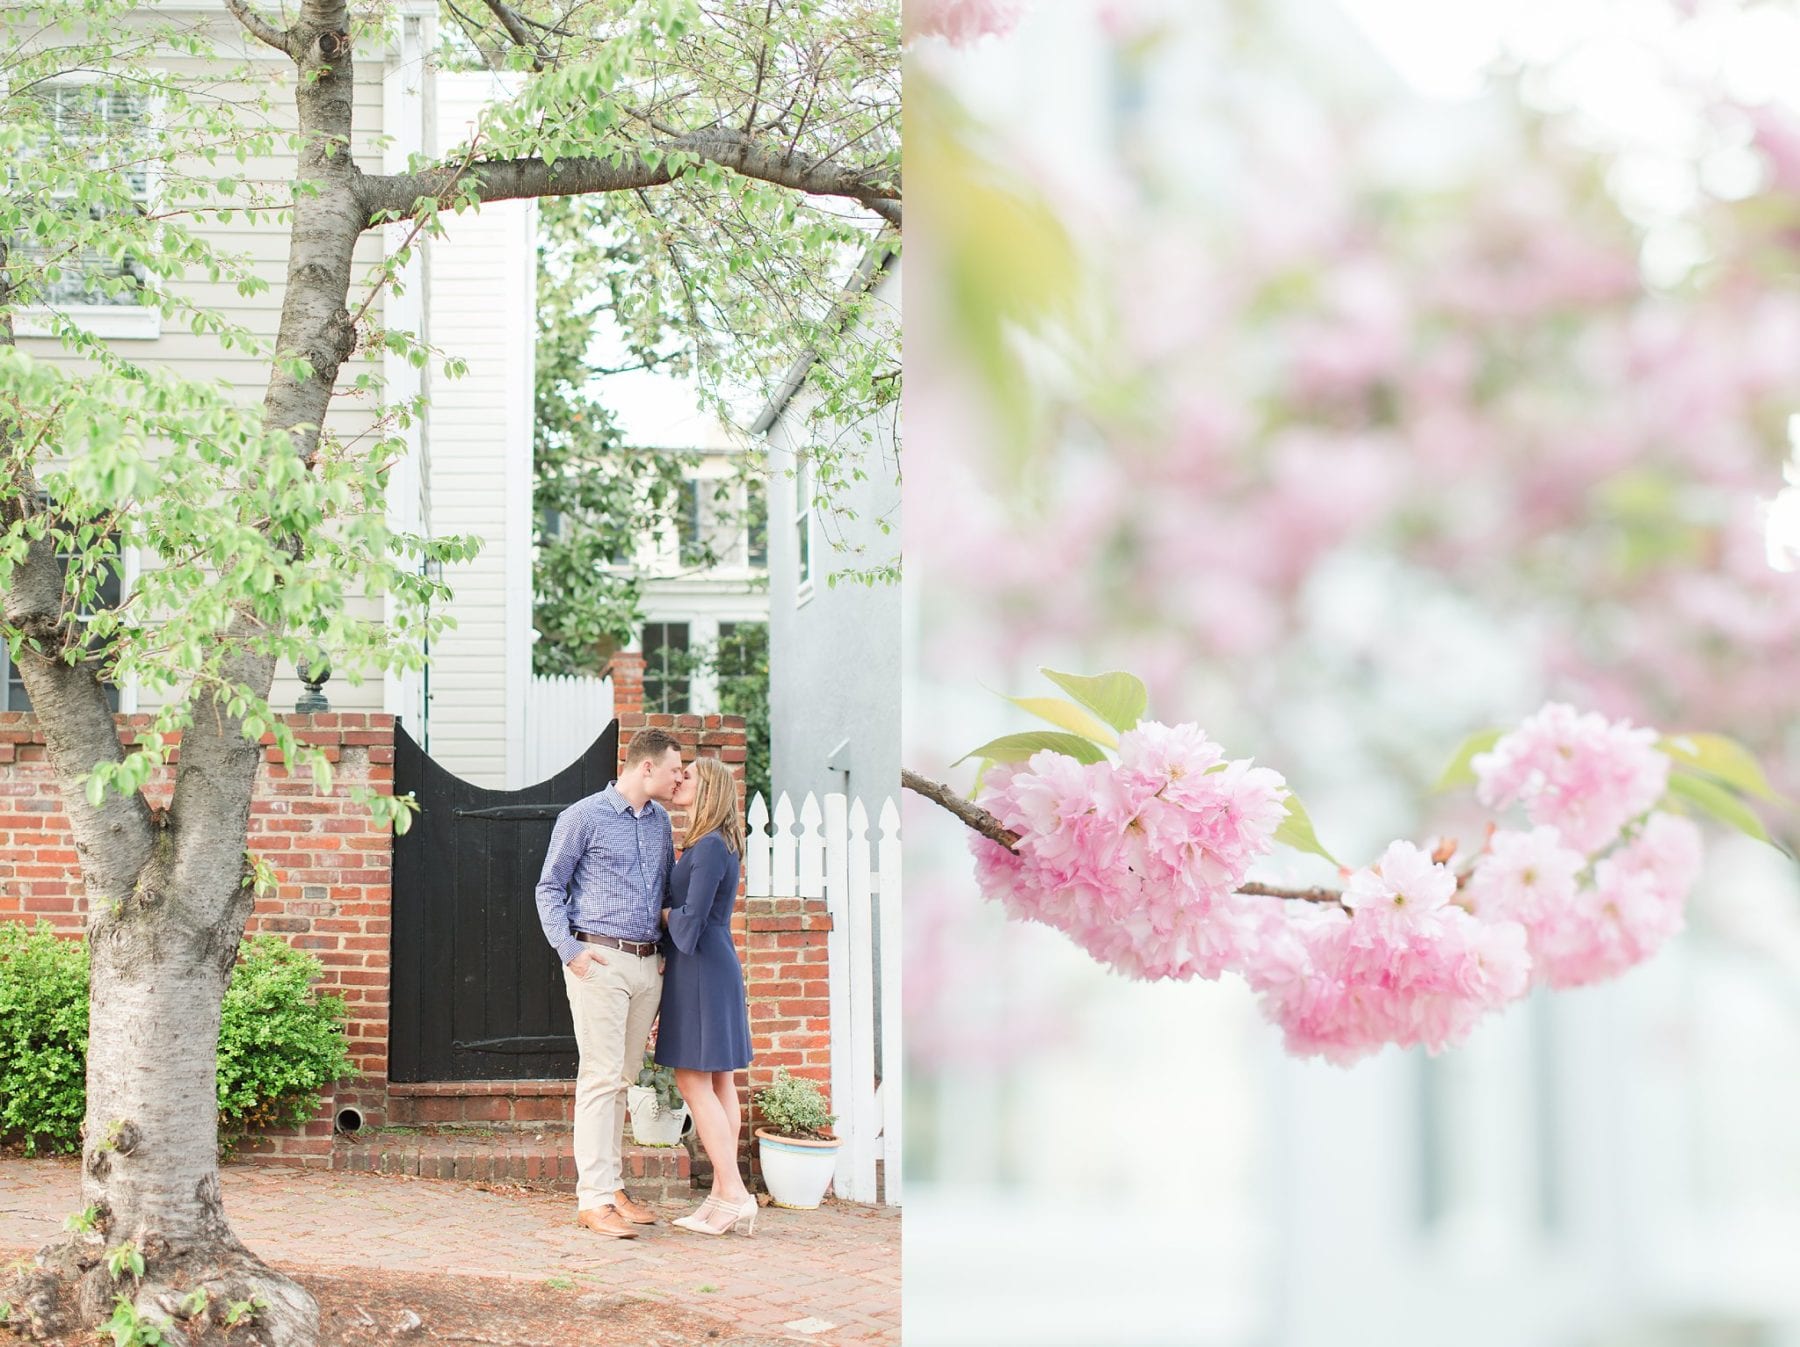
(333, 866)
(625, 671)
(787, 979)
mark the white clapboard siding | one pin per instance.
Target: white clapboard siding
(563, 715)
(482, 286)
(832, 855)
(240, 77)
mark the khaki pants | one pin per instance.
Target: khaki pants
(613, 1007)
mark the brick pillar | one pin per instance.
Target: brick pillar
(787, 977)
(626, 672)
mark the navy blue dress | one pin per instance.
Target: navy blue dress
(705, 1024)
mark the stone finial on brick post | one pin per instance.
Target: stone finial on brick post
(626, 672)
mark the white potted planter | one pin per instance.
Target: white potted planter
(796, 1170)
(651, 1123)
(797, 1152)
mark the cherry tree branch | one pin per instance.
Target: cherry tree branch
(980, 820)
(516, 30)
(257, 26)
(398, 194)
(971, 814)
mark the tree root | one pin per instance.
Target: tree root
(218, 1294)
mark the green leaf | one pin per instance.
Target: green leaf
(1117, 698)
(1296, 831)
(1068, 716)
(1018, 747)
(1460, 772)
(1724, 758)
(1719, 802)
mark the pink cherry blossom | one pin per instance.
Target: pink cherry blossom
(1136, 861)
(1583, 774)
(1528, 877)
(1404, 884)
(1393, 973)
(1166, 754)
(1634, 905)
(1139, 862)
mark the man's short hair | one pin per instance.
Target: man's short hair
(649, 744)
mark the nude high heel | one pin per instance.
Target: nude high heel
(715, 1217)
(746, 1213)
(699, 1219)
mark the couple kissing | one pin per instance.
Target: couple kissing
(639, 932)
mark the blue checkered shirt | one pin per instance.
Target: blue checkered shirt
(607, 872)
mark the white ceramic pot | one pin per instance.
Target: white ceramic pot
(651, 1123)
(796, 1171)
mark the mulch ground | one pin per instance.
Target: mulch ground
(359, 1307)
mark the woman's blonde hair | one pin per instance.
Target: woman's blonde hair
(715, 806)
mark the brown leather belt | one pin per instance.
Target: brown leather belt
(641, 948)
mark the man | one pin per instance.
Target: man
(600, 899)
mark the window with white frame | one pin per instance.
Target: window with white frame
(756, 526)
(114, 127)
(691, 522)
(668, 668)
(720, 522)
(803, 520)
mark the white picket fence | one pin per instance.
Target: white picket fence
(563, 715)
(831, 856)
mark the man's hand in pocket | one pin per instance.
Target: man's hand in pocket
(584, 961)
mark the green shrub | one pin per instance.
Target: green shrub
(280, 1043)
(794, 1107)
(43, 1037)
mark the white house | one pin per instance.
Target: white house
(707, 578)
(834, 650)
(468, 469)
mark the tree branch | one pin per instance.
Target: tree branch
(971, 814)
(258, 27)
(980, 820)
(398, 194)
(476, 34)
(516, 30)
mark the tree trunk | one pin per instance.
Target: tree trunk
(168, 896)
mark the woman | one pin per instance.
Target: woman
(704, 1033)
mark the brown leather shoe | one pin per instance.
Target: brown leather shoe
(635, 1212)
(606, 1221)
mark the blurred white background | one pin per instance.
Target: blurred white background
(1092, 1160)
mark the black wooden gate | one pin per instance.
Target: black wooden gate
(477, 991)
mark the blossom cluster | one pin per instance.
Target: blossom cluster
(1138, 861)
(1141, 862)
(1399, 962)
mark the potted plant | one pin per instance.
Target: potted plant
(658, 1115)
(798, 1151)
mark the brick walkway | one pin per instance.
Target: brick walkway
(829, 1276)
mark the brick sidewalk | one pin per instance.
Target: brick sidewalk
(829, 1276)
